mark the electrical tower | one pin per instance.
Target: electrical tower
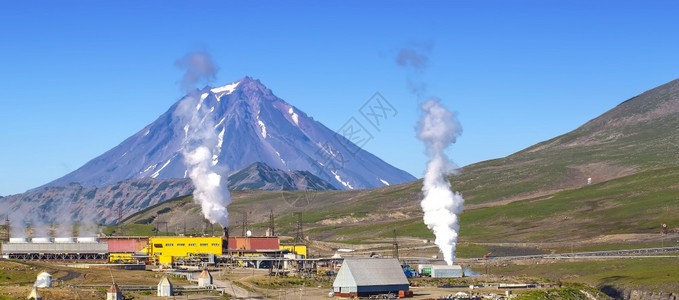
(158, 224)
(271, 224)
(7, 227)
(300, 232)
(245, 223)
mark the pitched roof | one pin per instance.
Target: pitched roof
(35, 294)
(205, 274)
(114, 289)
(370, 271)
(165, 282)
(44, 274)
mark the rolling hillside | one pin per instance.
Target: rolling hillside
(539, 195)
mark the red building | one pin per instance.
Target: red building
(254, 243)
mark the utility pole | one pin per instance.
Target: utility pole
(395, 246)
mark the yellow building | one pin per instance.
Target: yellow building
(299, 249)
(167, 249)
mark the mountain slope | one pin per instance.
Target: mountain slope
(539, 194)
(261, 176)
(75, 203)
(639, 134)
(252, 125)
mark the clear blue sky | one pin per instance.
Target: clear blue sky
(78, 77)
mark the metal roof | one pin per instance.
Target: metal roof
(164, 282)
(205, 274)
(370, 272)
(114, 289)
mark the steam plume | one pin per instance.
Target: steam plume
(198, 67)
(411, 57)
(200, 146)
(438, 128)
(415, 58)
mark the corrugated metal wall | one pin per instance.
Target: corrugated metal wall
(55, 248)
(253, 243)
(126, 244)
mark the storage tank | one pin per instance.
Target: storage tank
(42, 240)
(88, 240)
(18, 240)
(64, 240)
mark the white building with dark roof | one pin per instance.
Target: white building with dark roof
(367, 276)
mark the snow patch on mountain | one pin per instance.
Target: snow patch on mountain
(149, 168)
(294, 116)
(339, 179)
(253, 125)
(220, 122)
(261, 124)
(226, 90)
(154, 175)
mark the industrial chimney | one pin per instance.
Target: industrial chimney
(225, 239)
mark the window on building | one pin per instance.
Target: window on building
(180, 245)
(158, 245)
(169, 245)
(215, 244)
(192, 244)
(203, 245)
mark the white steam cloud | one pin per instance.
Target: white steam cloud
(211, 190)
(438, 128)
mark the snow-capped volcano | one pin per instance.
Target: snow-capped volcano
(252, 125)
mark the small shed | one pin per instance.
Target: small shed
(165, 287)
(44, 280)
(205, 279)
(35, 295)
(114, 293)
(360, 277)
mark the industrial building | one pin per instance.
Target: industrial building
(253, 243)
(359, 277)
(49, 249)
(131, 249)
(296, 248)
(444, 271)
(171, 249)
(259, 252)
